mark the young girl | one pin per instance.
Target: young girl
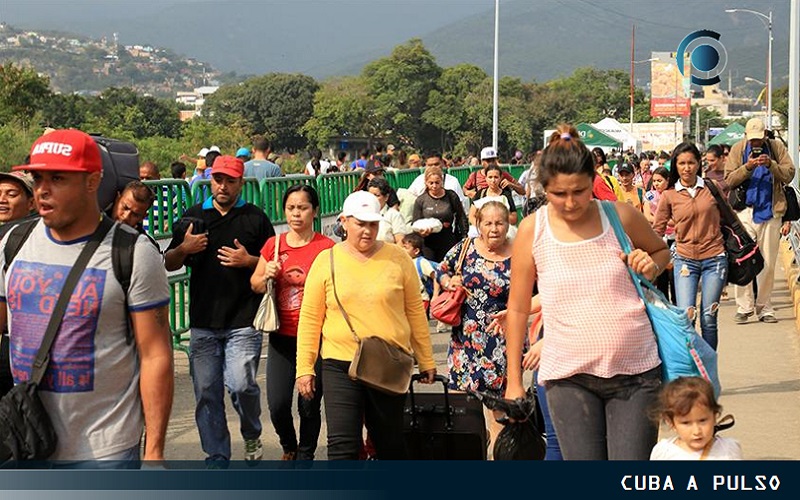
(688, 406)
(660, 180)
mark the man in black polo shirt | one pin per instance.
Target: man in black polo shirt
(225, 348)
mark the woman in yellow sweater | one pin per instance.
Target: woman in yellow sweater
(378, 287)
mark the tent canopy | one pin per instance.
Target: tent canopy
(732, 134)
(592, 137)
(615, 129)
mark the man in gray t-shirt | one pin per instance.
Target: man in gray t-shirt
(99, 390)
(260, 167)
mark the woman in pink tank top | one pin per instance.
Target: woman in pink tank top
(599, 360)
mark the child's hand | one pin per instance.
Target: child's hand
(498, 323)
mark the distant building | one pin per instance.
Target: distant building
(196, 99)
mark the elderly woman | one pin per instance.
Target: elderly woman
(442, 204)
(477, 353)
(388, 307)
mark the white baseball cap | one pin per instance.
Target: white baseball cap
(488, 153)
(362, 205)
(203, 152)
(214, 149)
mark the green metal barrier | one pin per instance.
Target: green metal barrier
(460, 173)
(201, 190)
(173, 197)
(333, 189)
(404, 178)
(251, 193)
(517, 170)
(272, 190)
(179, 311)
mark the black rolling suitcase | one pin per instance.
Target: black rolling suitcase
(443, 425)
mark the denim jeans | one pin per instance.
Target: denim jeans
(281, 370)
(712, 273)
(605, 418)
(553, 450)
(349, 405)
(223, 359)
(125, 459)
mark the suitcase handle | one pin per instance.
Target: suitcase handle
(448, 409)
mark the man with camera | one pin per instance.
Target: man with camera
(756, 171)
(221, 242)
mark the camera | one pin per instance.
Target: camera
(756, 152)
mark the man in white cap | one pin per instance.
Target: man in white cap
(110, 369)
(761, 168)
(477, 180)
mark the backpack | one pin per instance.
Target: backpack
(426, 280)
(122, 247)
(120, 166)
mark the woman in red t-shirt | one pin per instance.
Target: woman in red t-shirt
(297, 250)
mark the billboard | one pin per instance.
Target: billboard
(669, 89)
(659, 136)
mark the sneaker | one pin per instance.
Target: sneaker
(441, 327)
(742, 317)
(289, 455)
(768, 318)
(253, 450)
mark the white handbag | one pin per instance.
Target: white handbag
(266, 319)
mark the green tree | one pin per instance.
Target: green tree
(275, 105)
(121, 111)
(342, 107)
(400, 85)
(22, 93)
(445, 106)
(65, 111)
(780, 104)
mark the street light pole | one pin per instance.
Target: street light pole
(633, 34)
(768, 19)
(495, 90)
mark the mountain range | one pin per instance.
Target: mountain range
(539, 39)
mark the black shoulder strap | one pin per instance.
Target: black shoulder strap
(122, 245)
(43, 355)
(17, 238)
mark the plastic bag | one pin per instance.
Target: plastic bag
(520, 441)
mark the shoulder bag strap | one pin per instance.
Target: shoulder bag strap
(624, 243)
(336, 296)
(707, 449)
(43, 356)
(277, 245)
(462, 255)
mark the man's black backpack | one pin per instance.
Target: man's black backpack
(120, 166)
(122, 243)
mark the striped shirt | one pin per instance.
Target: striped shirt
(595, 322)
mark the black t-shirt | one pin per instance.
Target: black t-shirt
(220, 297)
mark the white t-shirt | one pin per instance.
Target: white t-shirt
(91, 386)
(324, 165)
(722, 449)
(391, 225)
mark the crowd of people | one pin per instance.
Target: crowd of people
(599, 382)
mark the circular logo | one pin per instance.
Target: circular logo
(708, 56)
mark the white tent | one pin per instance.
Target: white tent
(615, 129)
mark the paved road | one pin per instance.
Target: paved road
(759, 371)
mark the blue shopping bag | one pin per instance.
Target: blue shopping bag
(683, 352)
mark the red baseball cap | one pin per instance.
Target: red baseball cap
(65, 150)
(228, 165)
